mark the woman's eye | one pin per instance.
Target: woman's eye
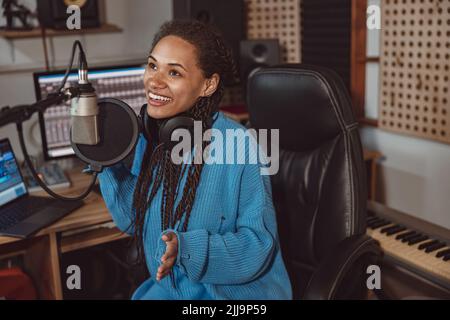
(151, 65)
(175, 73)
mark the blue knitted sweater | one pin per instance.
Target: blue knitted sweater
(230, 249)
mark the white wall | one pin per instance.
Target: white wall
(139, 20)
(414, 175)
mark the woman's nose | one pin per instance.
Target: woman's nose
(156, 81)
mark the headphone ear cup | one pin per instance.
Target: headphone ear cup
(163, 131)
(167, 128)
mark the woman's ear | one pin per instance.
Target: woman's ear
(211, 85)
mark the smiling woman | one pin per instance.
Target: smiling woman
(211, 227)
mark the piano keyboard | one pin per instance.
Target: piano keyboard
(405, 239)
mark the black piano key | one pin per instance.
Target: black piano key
(435, 247)
(390, 233)
(427, 244)
(417, 240)
(442, 253)
(401, 236)
(393, 229)
(411, 236)
(380, 224)
(386, 229)
(374, 221)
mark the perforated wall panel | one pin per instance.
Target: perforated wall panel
(415, 68)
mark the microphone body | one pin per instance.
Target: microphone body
(84, 110)
(84, 119)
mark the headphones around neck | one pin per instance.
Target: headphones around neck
(161, 130)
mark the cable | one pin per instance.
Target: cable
(66, 75)
(40, 182)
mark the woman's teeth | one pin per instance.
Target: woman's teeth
(160, 98)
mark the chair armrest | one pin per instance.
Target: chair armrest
(327, 278)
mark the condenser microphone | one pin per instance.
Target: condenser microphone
(84, 109)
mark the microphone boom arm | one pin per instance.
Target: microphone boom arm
(22, 113)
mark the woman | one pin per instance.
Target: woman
(206, 231)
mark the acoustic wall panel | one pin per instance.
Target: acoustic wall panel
(415, 68)
(326, 35)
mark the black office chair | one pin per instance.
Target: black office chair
(320, 190)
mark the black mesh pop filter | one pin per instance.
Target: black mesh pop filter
(118, 130)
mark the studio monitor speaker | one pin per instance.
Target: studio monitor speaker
(258, 53)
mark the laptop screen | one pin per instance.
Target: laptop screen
(11, 182)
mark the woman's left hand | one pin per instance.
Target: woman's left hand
(169, 257)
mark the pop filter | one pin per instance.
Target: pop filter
(118, 128)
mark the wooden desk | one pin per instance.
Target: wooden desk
(42, 252)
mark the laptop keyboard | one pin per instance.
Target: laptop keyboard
(21, 210)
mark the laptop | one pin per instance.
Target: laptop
(21, 214)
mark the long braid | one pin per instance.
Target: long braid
(137, 200)
(193, 178)
(140, 202)
(191, 195)
(232, 77)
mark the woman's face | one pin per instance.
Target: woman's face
(173, 81)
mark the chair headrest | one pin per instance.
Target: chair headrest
(310, 105)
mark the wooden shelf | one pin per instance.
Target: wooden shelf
(37, 33)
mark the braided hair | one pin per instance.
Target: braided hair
(214, 56)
